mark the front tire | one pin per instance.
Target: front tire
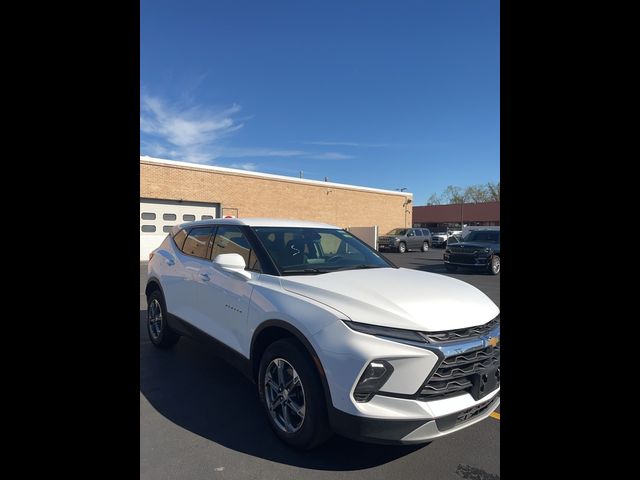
(402, 247)
(159, 332)
(292, 395)
(425, 246)
(494, 266)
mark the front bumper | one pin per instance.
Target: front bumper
(466, 260)
(409, 431)
(398, 414)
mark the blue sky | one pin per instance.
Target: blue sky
(384, 94)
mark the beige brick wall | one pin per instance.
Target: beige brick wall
(267, 197)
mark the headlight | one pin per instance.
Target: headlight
(372, 380)
(393, 333)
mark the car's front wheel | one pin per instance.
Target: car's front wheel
(494, 266)
(159, 332)
(292, 395)
(402, 247)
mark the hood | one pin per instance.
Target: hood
(397, 297)
(476, 245)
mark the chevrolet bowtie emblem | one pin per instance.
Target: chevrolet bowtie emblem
(493, 341)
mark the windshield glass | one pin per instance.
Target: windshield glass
(301, 250)
(398, 231)
(483, 236)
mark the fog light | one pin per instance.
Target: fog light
(372, 380)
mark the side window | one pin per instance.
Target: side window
(410, 233)
(230, 239)
(426, 232)
(197, 242)
(179, 238)
(418, 232)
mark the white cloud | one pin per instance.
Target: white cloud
(346, 144)
(180, 131)
(235, 152)
(330, 156)
(243, 166)
(187, 133)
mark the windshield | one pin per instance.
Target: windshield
(483, 236)
(398, 231)
(298, 250)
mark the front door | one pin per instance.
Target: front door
(224, 297)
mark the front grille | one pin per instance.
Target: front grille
(455, 374)
(465, 250)
(462, 333)
(449, 421)
(462, 258)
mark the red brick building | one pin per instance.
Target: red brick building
(443, 217)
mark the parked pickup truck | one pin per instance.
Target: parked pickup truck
(440, 239)
(403, 239)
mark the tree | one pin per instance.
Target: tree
(489, 192)
(434, 199)
(453, 194)
(493, 190)
(476, 194)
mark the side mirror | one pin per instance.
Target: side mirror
(232, 263)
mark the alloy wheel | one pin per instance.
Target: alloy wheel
(495, 265)
(154, 319)
(284, 395)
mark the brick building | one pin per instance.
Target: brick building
(443, 217)
(172, 192)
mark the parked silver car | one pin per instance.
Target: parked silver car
(403, 239)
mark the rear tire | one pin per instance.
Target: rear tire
(425, 246)
(299, 390)
(159, 332)
(402, 247)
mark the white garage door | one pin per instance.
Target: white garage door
(158, 216)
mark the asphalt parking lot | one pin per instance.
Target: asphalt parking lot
(200, 419)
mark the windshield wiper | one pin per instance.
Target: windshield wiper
(305, 270)
(356, 267)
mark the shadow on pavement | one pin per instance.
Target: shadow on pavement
(190, 386)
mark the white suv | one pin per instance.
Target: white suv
(337, 338)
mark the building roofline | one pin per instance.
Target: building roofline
(247, 173)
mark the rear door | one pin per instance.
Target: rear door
(417, 238)
(189, 261)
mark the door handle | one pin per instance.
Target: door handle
(205, 277)
(170, 262)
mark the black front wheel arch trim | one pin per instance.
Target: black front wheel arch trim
(298, 335)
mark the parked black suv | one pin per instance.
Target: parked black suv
(479, 249)
(403, 239)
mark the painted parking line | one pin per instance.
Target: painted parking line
(495, 415)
